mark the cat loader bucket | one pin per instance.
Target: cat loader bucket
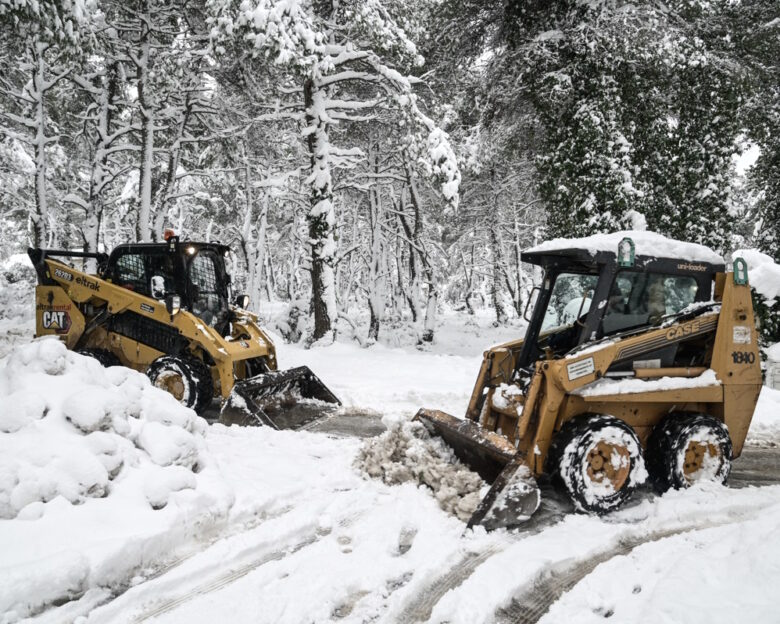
(288, 399)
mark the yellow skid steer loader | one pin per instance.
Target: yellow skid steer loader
(165, 309)
(640, 359)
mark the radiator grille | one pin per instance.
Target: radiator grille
(148, 332)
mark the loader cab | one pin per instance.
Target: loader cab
(195, 272)
(588, 296)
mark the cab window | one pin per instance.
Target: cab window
(134, 272)
(569, 301)
(640, 299)
(131, 273)
(208, 297)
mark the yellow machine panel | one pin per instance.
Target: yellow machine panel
(56, 314)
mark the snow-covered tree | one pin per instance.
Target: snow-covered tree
(41, 34)
(344, 56)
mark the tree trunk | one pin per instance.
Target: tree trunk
(164, 194)
(321, 215)
(518, 298)
(143, 230)
(412, 294)
(432, 296)
(95, 202)
(40, 215)
(270, 279)
(377, 298)
(495, 282)
(247, 246)
(292, 267)
(258, 269)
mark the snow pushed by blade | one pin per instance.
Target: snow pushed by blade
(646, 243)
(84, 451)
(407, 452)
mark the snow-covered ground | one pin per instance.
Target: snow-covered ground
(253, 525)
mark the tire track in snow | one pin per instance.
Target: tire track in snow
(535, 598)
(252, 523)
(93, 598)
(756, 466)
(300, 541)
(422, 604)
(553, 508)
(225, 579)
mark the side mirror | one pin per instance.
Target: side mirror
(158, 287)
(242, 301)
(172, 304)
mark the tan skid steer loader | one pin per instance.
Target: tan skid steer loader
(640, 359)
(165, 309)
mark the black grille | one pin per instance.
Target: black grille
(148, 332)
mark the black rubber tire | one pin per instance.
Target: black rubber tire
(195, 375)
(669, 441)
(104, 356)
(567, 462)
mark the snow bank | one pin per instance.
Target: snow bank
(17, 297)
(407, 452)
(763, 273)
(765, 426)
(773, 366)
(646, 244)
(81, 445)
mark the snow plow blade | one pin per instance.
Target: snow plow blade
(513, 496)
(288, 399)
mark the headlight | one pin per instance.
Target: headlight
(172, 304)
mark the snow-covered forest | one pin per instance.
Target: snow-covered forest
(378, 174)
(372, 161)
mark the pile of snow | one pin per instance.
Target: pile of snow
(80, 446)
(773, 366)
(646, 244)
(17, 292)
(765, 426)
(407, 452)
(763, 273)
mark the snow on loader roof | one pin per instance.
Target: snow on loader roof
(647, 244)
